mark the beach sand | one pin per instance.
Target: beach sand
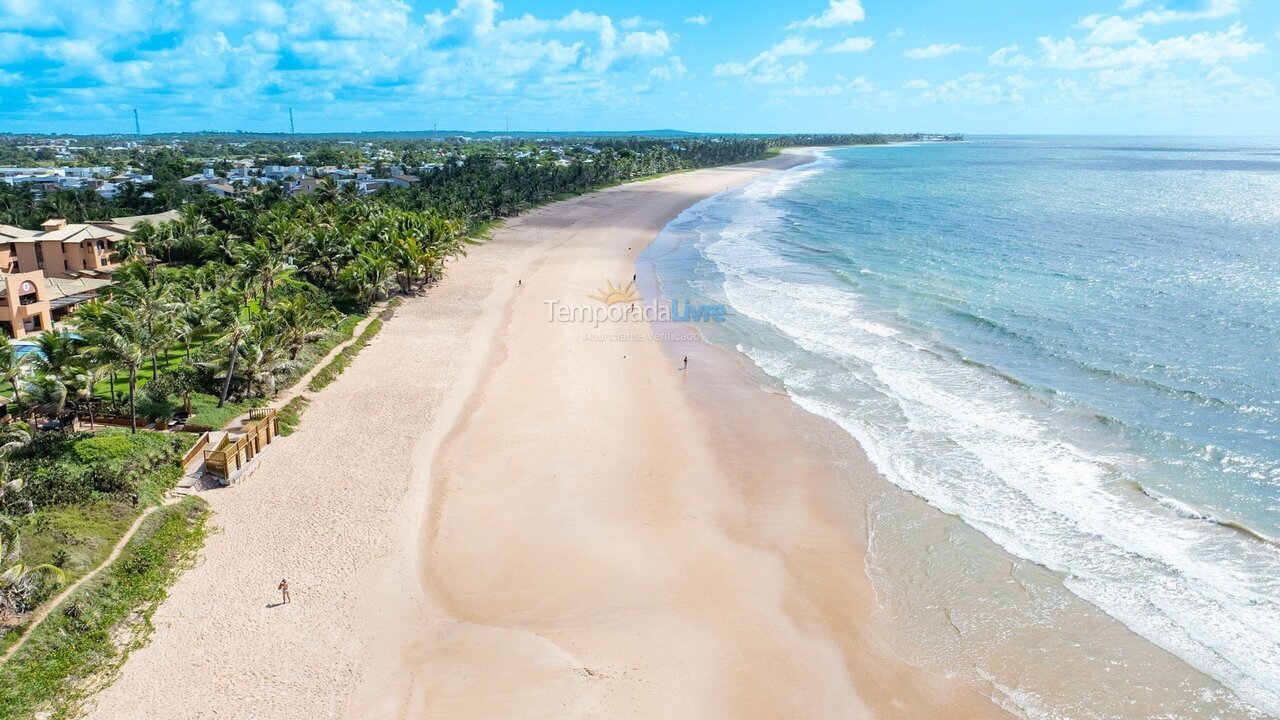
(492, 515)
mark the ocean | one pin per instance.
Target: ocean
(1067, 348)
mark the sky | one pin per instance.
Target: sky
(1204, 67)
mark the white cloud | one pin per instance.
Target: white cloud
(852, 45)
(768, 66)
(1204, 47)
(1008, 57)
(698, 20)
(243, 60)
(971, 88)
(935, 50)
(917, 84)
(673, 70)
(896, 34)
(1113, 29)
(838, 12)
(1110, 30)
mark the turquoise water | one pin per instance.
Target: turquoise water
(1069, 343)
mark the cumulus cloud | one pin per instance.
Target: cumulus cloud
(770, 66)
(1113, 29)
(698, 20)
(935, 50)
(238, 60)
(1209, 48)
(1008, 56)
(838, 12)
(852, 45)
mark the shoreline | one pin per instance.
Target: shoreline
(487, 517)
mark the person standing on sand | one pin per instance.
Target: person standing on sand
(686, 363)
(283, 587)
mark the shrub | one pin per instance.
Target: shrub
(66, 468)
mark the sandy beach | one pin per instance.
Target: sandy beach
(493, 515)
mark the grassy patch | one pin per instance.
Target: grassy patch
(291, 414)
(80, 646)
(76, 538)
(205, 412)
(330, 372)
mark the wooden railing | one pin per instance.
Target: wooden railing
(201, 442)
(261, 430)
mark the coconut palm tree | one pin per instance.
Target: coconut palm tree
(12, 368)
(265, 264)
(117, 334)
(143, 289)
(263, 358)
(235, 329)
(300, 318)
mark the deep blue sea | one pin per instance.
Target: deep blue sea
(1071, 344)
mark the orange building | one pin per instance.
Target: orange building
(45, 273)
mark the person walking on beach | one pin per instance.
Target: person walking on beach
(686, 363)
(283, 587)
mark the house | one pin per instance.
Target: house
(222, 190)
(401, 180)
(280, 172)
(304, 185)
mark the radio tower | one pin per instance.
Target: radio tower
(291, 130)
(137, 126)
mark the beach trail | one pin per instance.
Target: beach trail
(494, 515)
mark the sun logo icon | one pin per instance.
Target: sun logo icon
(616, 293)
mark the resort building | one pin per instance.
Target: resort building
(46, 273)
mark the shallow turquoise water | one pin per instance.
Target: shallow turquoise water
(1071, 344)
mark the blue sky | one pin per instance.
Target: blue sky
(979, 66)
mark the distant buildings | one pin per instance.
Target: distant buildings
(41, 180)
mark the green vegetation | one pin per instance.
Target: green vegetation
(74, 538)
(291, 414)
(79, 647)
(77, 468)
(330, 372)
(70, 498)
(208, 416)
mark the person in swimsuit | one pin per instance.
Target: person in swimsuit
(283, 587)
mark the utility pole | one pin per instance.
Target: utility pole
(137, 126)
(291, 130)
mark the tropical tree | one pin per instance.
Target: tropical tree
(117, 335)
(263, 358)
(18, 581)
(265, 263)
(12, 368)
(298, 319)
